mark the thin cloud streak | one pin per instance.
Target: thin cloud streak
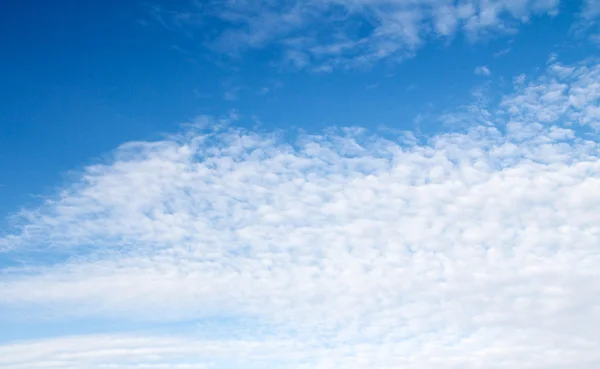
(324, 35)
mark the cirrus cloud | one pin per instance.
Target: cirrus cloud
(328, 34)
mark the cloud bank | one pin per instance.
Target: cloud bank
(346, 249)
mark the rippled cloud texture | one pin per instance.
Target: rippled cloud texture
(348, 249)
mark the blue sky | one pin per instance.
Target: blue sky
(84, 77)
(299, 184)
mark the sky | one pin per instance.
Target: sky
(300, 184)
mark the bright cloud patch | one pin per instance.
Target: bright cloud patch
(344, 250)
(327, 34)
(568, 95)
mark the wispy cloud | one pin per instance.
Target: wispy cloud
(263, 91)
(472, 249)
(349, 33)
(590, 9)
(499, 53)
(482, 71)
(586, 24)
(230, 95)
(148, 352)
(232, 92)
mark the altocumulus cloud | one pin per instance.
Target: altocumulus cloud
(346, 249)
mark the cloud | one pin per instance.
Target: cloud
(502, 52)
(569, 95)
(139, 352)
(482, 71)
(350, 33)
(586, 24)
(348, 249)
(590, 9)
(232, 94)
(263, 91)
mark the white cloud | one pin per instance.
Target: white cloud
(567, 95)
(352, 33)
(464, 250)
(520, 79)
(482, 71)
(139, 352)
